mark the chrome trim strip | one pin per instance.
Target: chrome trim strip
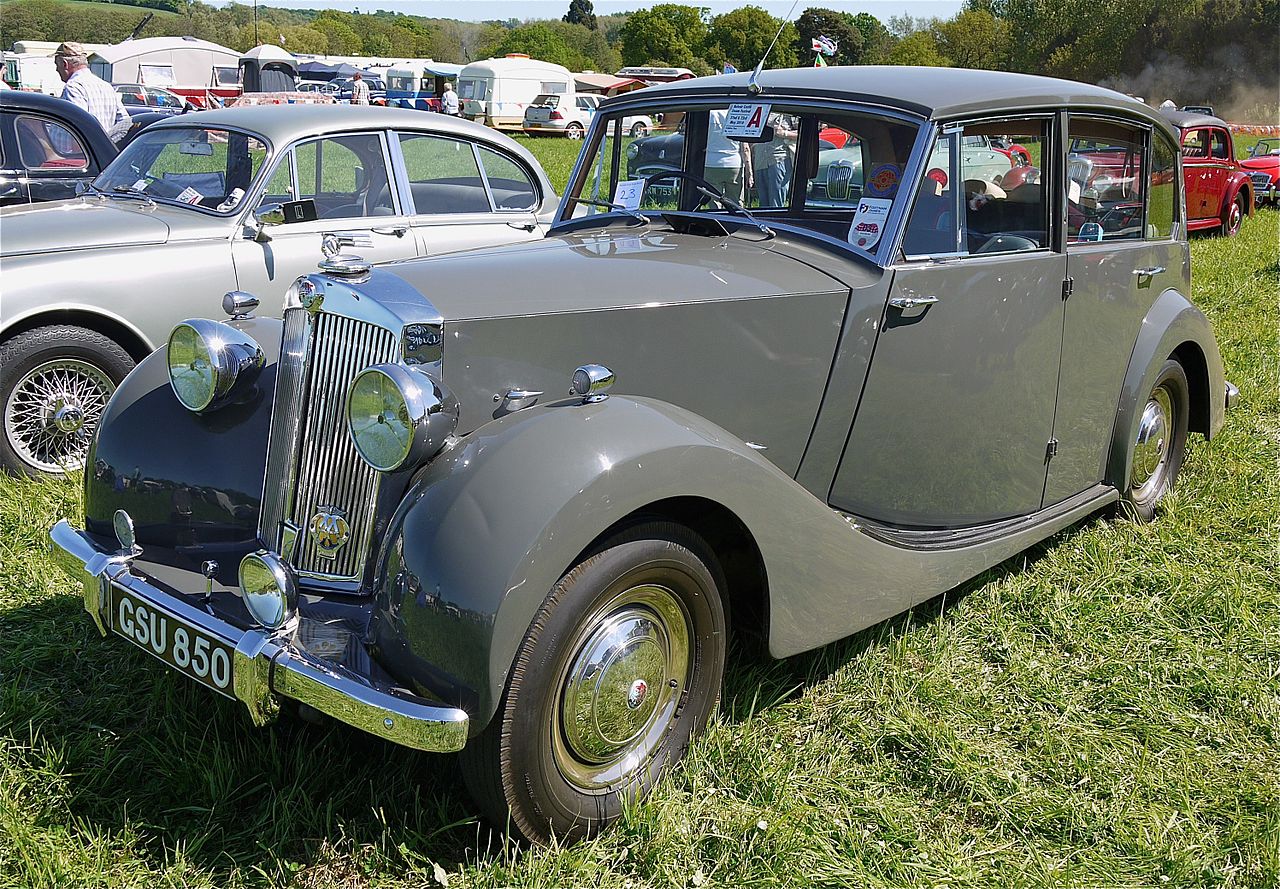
(268, 667)
(280, 477)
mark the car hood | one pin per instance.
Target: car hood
(1267, 163)
(608, 269)
(81, 225)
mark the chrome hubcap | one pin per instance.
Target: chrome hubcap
(620, 690)
(1151, 449)
(52, 412)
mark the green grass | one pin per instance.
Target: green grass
(1103, 710)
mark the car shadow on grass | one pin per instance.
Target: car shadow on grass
(141, 750)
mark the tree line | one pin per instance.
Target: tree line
(1208, 50)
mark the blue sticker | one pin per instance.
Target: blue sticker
(884, 181)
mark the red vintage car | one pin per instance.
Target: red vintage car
(1219, 190)
(1263, 166)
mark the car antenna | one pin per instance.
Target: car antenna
(753, 86)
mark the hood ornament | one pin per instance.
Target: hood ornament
(345, 266)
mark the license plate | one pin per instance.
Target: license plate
(192, 652)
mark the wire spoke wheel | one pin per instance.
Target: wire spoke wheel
(52, 412)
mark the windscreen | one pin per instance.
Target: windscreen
(193, 166)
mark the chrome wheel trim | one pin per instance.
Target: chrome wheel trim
(620, 690)
(574, 131)
(52, 412)
(1235, 216)
(1151, 446)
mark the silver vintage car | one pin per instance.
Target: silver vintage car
(513, 502)
(226, 200)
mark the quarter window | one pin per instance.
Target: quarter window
(1162, 211)
(443, 175)
(1106, 184)
(45, 145)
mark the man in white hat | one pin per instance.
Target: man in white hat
(89, 91)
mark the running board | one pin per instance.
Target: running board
(1060, 514)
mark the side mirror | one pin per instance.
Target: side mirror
(282, 214)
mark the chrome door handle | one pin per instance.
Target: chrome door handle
(1148, 272)
(351, 239)
(911, 302)
(397, 230)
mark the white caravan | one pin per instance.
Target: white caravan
(497, 91)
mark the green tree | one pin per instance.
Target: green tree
(541, 41)
(876, 41)
(838, 26)
(581, 12)
(917, 48)
(666, 34)
(974, 38)
(742, 36)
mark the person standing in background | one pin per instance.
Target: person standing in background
(724, 163)
(449, 100)
(359, 90)
(90, 92)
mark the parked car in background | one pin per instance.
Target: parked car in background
(204, 203)
(1263, 167)
(341, 89)
(48, 149)
(1219, 190)
(570, 114)
(138, 98)
(515, 501)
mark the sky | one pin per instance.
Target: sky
(501, 10)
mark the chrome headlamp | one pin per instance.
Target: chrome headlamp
(398, 415)
(268, 589)
(208, 360)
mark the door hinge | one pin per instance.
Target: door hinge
(1051, 450)
(1068, 285)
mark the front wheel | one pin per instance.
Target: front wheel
(1234, 218)
(620, 669)
(54, 385)
(1159, 445)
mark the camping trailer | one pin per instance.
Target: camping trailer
(496, 91)
(32, 71)
(194, 69)
(419, 85)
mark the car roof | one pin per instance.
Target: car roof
(1185, 119)
(935, 93)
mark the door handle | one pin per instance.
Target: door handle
(351, 239)
(523, 226)
(1149, 272)
(911, 302)
(397, 230)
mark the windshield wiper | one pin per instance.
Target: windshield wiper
(738, 208)
(644, 220)
(129, 191)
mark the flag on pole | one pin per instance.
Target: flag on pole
(819, 61)
(824, 45)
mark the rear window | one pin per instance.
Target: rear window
(546, 100)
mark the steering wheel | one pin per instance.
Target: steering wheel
(716, 193)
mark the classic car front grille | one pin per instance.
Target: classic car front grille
(313, 469)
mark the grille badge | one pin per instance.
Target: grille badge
(329, 531)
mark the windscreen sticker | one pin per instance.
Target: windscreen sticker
(868, 222)
(745, 120)
(628, 193)
(140, 185)
(884, 181)
(189, 195)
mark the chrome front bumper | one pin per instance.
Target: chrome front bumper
(266, 668)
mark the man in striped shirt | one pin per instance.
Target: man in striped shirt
(89, 91)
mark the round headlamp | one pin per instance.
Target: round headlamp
(268, 589)
(633, 151)
(397, 415)
(207, 360)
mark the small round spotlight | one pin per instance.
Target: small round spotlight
(268, 589)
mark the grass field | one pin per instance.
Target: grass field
(1103, 710)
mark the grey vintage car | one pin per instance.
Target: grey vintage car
(513, 502)
(93, 285)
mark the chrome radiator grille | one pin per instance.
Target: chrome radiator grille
(312, 465)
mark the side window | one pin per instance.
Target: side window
(983, 192)
(1195, 144)
(508, 182)
(46, 145)
(1106, 185)
(443, 175)
(1218, 145)
(773, 163)
(584, 104)
(1162, 210)
(346, 176)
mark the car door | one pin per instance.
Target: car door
(1217, 171)
(463, 195)
(52, 157)
(1116, 272)
(13, 183)
(349, 178)
(1196, 164)
(957, 410)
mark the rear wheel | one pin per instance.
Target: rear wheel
(1159, 444)
(54, 385)
(573, 131)
(620, 669)
(1234, 218)
(638, 129)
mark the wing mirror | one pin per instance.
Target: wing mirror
(282, 214)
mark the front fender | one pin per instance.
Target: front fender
(191, 482)
(1238, 181)
(1172, 324)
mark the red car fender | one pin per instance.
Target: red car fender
(1237, 181)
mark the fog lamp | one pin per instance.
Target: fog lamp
(268, 589)
(397, 415)
(208, 360)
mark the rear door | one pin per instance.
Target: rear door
(1197, 166)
